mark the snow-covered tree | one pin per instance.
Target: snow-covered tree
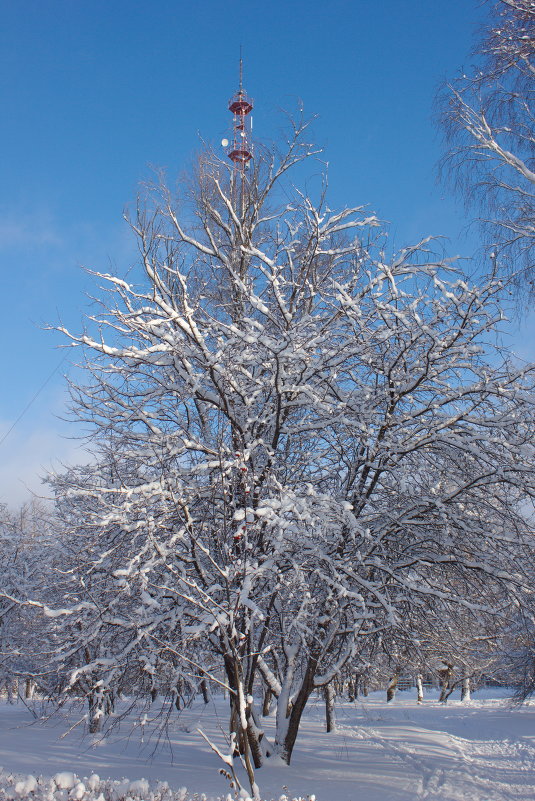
(488, 118)
(302, 442)
(24, 554)
(515, 657)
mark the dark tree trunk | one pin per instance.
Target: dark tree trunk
(329, 696)
(254, 738)
(353, 687)
(445, 682)
(295, 712)
(95, 714)
(266, 704)
(247, 740)
(178, 695)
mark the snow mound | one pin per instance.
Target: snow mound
(64, 780)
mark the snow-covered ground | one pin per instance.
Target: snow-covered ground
(481, 751)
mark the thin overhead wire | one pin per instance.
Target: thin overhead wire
(32, 400)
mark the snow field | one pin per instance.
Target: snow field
(402, 751)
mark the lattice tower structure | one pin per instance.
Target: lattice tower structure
(240, 150)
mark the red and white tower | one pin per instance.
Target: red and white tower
(240, 150)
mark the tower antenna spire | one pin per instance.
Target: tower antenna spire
(240, 106)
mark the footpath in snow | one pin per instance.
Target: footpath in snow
(481, 751)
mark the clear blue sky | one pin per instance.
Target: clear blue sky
(95, 91)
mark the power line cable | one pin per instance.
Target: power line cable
(33, 399)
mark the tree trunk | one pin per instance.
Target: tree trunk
(287, 730)
(465, 689)
(392, 686)
(96, 714)
(329, 696)
(248, 740)
(285, 748)
(445, 681)
(12, 689)
(354, 686)
(254, 738)
(177, 691)
(247, 734)
(266, 704)
(419, 688)
(204, 690)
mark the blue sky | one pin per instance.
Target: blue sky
(94, 94)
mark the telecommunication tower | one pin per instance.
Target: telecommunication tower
(240, 149)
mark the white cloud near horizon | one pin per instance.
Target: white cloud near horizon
(30, 452)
